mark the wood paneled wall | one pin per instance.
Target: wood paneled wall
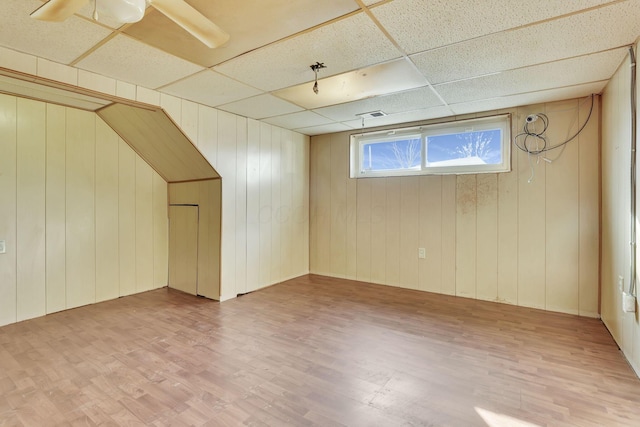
(84, 218)
(265, 194)
(207, 195)
(495, 237)
(616, 193)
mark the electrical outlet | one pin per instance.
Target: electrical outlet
(621, 283)
(422, 253)
(3, 247)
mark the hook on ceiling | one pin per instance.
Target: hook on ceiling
(317, 67)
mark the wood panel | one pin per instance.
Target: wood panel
(183, 248)
(264, 264)
(487, 237)
(8, 194)
(323, 206)
(449, 234)
(284, 213)
(189, 120)
(392, 232)
(466, 235)
(240, 232)
(378, 229)
(562, 228)
(144, 226)
(30, 209)
(531, 224)
(430, 233)
(127, 218)
(106, 199)
(80, 208)
(253, 205)
(227, 158)
(159, 141)
(208, 133)
(160, 231)
(508, 231)
(276, 227)
(56, 209)
(363, 255)
(338, 176)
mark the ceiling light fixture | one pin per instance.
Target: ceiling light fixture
(316, 67)
(125, 11)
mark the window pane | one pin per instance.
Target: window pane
(467, 148)
(392, 155)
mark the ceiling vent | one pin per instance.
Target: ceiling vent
(372, 114)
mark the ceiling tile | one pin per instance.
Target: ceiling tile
(530, 98)
(260, 107)
(57, 41)
(210, 88)
(381, 79)
(323, 129)
(570, 72)
(255, 24)
(125, 59)
(18, 61)
(416, 99)
(401, 118)
(301, 119)
(588, 32)
(418, 26)
(345, 45)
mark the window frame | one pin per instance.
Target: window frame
(359, 140)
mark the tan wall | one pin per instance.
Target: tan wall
(207, 195)
(265, 193)
(494, 237)
(616, 154)
(84, 218)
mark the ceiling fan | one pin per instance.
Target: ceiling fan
(128, 11)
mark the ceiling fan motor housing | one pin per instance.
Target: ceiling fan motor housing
(125, 11)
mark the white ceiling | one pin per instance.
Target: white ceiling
(463, 56)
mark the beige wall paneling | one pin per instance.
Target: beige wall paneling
(378, 229)
(172, 106)
(487, 237)
(589, 203)
(160, 231)
(265, 205)
(507, 279)
(30, 209)
(183, 248)
(276, 229)
(226, 167)
(562, 226)
(409, 236)
(352, 228)
(189, 120)
(80, 208)
(241, 205)
(301, 203)
(466, 237)
(363, 260)
(313, 204)
(207, 195)
(322, 211)
(338, 176)
(284, 213)
(253, 205)
(208, 133)
(106, 199)
(144, 226)
(56, 209)
(449, 233)
(127, 218)
(392, 231)
(531, 224)
(430, 233)
(8, 193)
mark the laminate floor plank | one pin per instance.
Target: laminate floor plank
(313, 351)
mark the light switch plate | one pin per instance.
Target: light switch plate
(3, 247)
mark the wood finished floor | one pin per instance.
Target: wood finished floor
(313, 351)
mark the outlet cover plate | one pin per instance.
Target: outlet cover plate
(3, 247)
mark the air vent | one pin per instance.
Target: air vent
(372, 114)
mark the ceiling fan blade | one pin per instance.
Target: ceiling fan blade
(58, 10)
(192, 21)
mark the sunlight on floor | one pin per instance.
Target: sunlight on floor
(499, 420)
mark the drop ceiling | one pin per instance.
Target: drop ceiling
(412, 59)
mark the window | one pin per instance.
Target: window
(466, 146)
